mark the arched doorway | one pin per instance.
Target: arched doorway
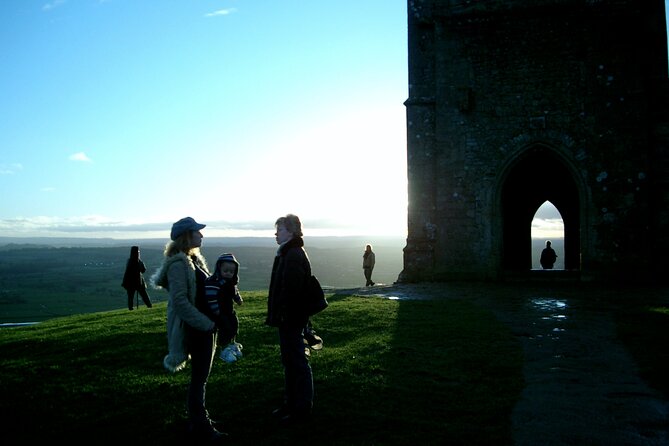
(547, 225)
(536, 176)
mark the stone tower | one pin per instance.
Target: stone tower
(515, 102)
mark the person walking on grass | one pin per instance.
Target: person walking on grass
(287, 312)
(133, 278)
(368, 261)
(190, 332)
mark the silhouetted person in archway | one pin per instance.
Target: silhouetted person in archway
(548, 256)
(133, 279)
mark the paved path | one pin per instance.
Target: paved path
(582, 387)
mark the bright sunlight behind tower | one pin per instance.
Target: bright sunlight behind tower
(120, 117)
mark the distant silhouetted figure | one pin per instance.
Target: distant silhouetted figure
(133, 279)
(548, 256)
(368, 261)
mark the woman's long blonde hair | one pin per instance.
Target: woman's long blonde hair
(183, 243)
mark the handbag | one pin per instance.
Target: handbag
(316, 301)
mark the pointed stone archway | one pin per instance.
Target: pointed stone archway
(536, 175)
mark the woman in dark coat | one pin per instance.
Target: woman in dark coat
(286, 311)
(368, 262)
(133, 279)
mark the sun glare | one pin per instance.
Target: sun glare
(350, 171)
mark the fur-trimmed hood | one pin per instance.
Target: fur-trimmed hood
(158, 279)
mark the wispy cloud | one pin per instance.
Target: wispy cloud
(10, 169)
(48, 189)
(80, 224)
(52, 5)
(101, 226)
(80, 156)
(227, 11)
(547, 228)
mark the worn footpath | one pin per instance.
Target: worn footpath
(582, 387)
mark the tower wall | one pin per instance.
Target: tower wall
(515, 102)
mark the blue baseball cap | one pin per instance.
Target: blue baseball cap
(184, 225)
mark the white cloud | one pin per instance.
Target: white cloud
(547, 228)
(10, 169)
(101, 226)
(221, 12)
(48, 189)
(52, 5)
(80, 156)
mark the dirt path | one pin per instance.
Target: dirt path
(582, 387)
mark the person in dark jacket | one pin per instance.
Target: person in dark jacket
(368, 262)
(133, 279)
(548, 256)
(286, 311)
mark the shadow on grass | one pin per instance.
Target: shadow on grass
(455, 374)
(391, 373)
(424, 372)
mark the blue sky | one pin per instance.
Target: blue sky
(119, 117)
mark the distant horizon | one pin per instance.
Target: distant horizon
(547, 224)
(97, 227)
(317, 242)
(206, 237)
(107, 242)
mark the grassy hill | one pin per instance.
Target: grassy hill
(49, 278)
(39, 282)
(391, 372)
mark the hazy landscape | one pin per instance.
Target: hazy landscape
(45, 278)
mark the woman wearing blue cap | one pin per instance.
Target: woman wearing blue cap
(190, 333)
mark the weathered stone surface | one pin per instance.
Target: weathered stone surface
(582, 387)
(512, 103)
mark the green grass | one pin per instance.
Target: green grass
(391, 373)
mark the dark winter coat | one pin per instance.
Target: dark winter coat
(133, 279)
(286, 300)
(548, 258)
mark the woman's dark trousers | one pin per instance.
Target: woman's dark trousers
(299, 385)
(202, 347)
